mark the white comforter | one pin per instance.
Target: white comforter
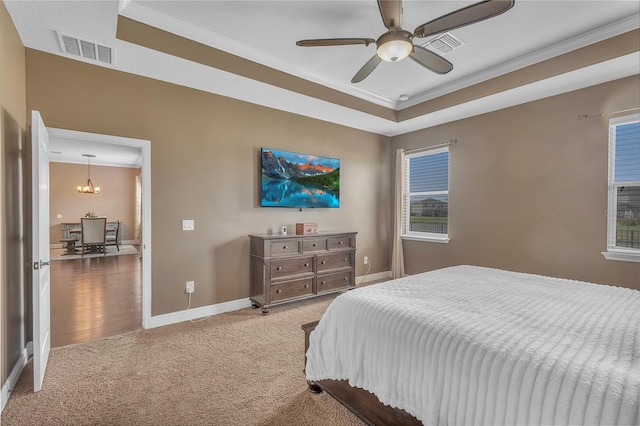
(470, 345)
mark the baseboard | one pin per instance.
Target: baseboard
(373, 277)
(233, 305)
(195, 313)
(11, 381)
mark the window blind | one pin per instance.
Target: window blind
(625, 187)
(627, 164)
(427, 201)
(429, 173)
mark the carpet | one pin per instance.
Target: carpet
(237, 368)
(61, 253)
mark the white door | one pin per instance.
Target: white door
(40, 255)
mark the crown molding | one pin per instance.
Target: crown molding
(595, 35)
(181, 28)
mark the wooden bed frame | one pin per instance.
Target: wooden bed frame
(362, 403)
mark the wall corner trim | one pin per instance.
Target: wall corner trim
(16, 371)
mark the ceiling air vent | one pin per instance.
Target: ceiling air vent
(86, 49)
(443, 44)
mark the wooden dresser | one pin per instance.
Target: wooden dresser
(295, 267)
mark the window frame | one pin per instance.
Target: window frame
(614, 252)
(407, 234)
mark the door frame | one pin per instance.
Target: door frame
(145, 146)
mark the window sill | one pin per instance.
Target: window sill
(444, 240)
(622, 256)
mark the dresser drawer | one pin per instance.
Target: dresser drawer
(333, 282)
(337, 243)
(291, 266)
(284, 247)
(314, 244)
(334, 261)
(287, 268)
(292, 289)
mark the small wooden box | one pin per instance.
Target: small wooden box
(306, 228)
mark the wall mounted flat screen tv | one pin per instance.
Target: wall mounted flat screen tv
(290, 179)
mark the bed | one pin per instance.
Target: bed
(473, 345)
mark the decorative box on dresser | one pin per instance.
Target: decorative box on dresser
(295, 267)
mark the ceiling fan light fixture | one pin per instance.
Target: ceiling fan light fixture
(394, 46)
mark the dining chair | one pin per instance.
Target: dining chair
(94, 233)
(113, 239)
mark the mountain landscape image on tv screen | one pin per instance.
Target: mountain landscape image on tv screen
(290, 179)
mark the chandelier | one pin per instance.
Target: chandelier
(89, 188)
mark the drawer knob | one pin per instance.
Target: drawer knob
(306, 264)
(323, 262)
(340, 243)
(278, 291)
(314, 244)
(284, 247)
(279, 268)
(345, 278)
(345, 259)
(322, 283)
(306, 286)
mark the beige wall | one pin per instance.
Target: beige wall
(14, 286)
(528, 188)
(116, 199)
(204, 166)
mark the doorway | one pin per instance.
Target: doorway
(104, 294)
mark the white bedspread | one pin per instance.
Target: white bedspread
(470, 345)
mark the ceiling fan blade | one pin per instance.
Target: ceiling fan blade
(465, 16)
(430, 60)
(391, 11)
(334, 42)
(366, 69)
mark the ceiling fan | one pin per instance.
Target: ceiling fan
(396, 44)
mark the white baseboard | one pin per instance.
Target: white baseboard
(11, 381)
(233, 305)
(373, 277)
(194, 313)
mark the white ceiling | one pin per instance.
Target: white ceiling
(65, 150)
(266, 32)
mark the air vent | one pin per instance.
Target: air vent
(85, 49)
(444, 44)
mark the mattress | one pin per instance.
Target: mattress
(472, 345)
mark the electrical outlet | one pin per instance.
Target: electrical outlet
(190, 287)
(366, 260)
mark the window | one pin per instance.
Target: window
(426, 200)
(623, 232)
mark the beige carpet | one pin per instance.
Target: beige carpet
(62, 254)
(238, 368)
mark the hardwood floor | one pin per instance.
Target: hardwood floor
(95, 298)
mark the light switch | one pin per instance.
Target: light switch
(188, 225)
(59, 216)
